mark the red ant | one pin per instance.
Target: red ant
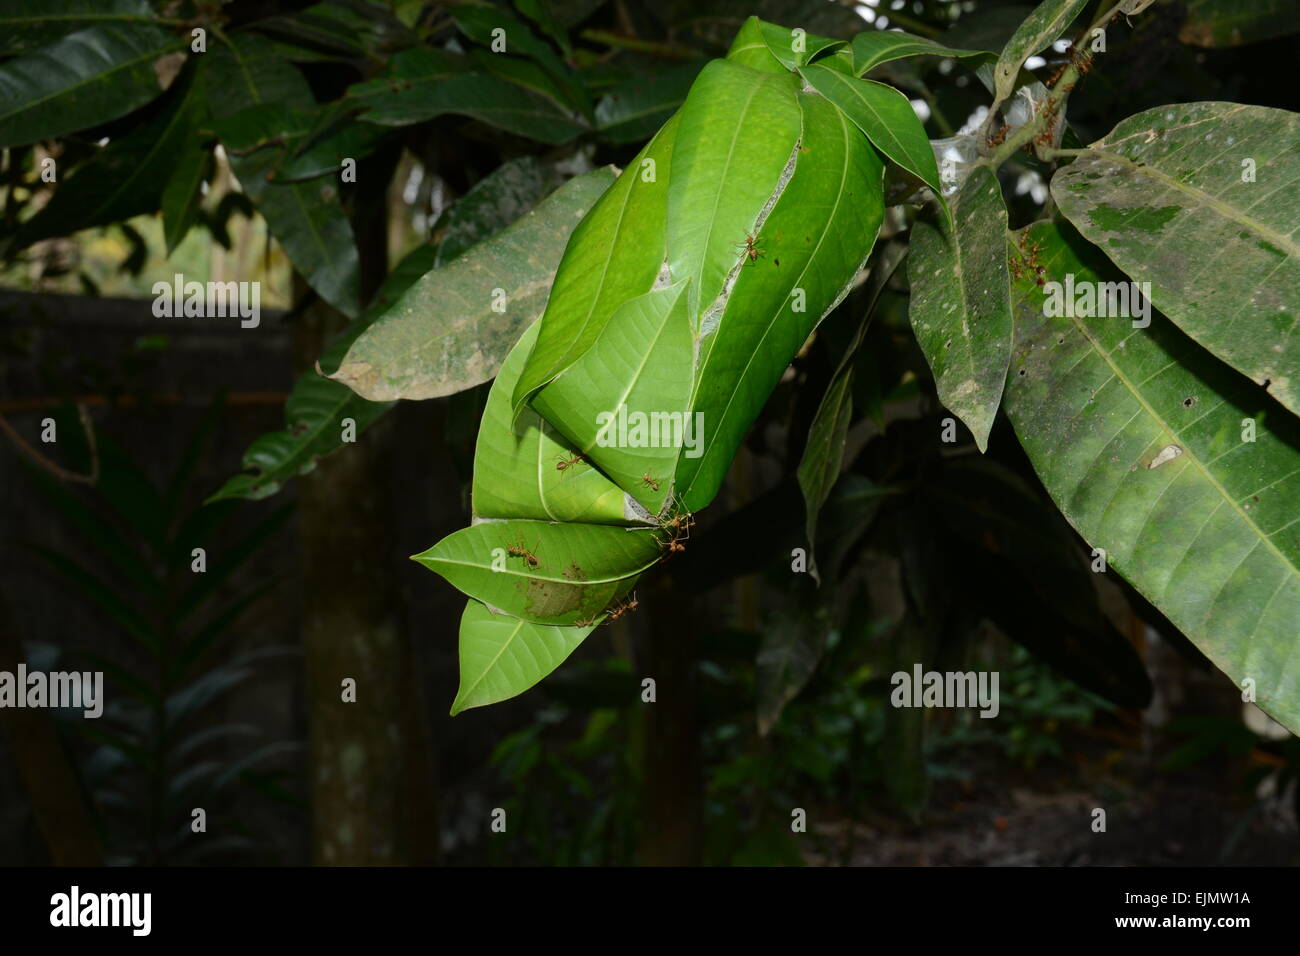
(679, 529)
(565, 463)
(521, 552)
(751, 248)
(649, 482)
(620, 610)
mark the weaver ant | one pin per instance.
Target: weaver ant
(751, 248)
(521, 552)
(649, 482)
(679, 530)
(565, 463)
(622, 609)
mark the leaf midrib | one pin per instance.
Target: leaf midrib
(1192, 457)
(519, 624)
(30, 105)
(1223, 208)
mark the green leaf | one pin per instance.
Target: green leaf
(502, 656)
(422, 84)
(246, 85)
(552, 21)
(580, 569)
(795, 47)
(517, 459)
(960, 309)
(479, 21)
(736, 133)
(452, 329)
(182, 193)
(613, 254)
(339, 30)
(1137, 434)
(530, 76)
(500, 198)
(127, 177)
(749, 48)
(83, 80)
(792, 646)
(314, 420)
(818, 234)
(819, 468)
(638, 375)
(1039, 30)
(874, 47)
(316, 408)
(884, 115)
(1228, 23)
(320, 151)
(1163, 195)
(635, 109)
(25, 26)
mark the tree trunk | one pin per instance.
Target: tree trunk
(374, 800)
(674, 823)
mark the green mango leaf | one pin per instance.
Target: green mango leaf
(182, 192)
(125, 178)
(83, 80)
(321, 152)
(526, 74)
(794, 47)
(792, 647)
(553, 18)
(306, 143)
(1142, 440)
(502, 656)
(497, 200)
(1228, 23)
(315, 411)
(517, 461)
(1039, 31)
(24, 28)
(635, 109)
(749, 48)
(874, 47)
(624, 405)
(736, 133)
(818, 235)
(421, 84)
(557, 574)
(823, 456)
(338, 31)
(615, 253)
(1167, 196)
(884, 115)
(960, 309)
(315, 415)
(480, 21)
(453, 328)
(247, 83)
